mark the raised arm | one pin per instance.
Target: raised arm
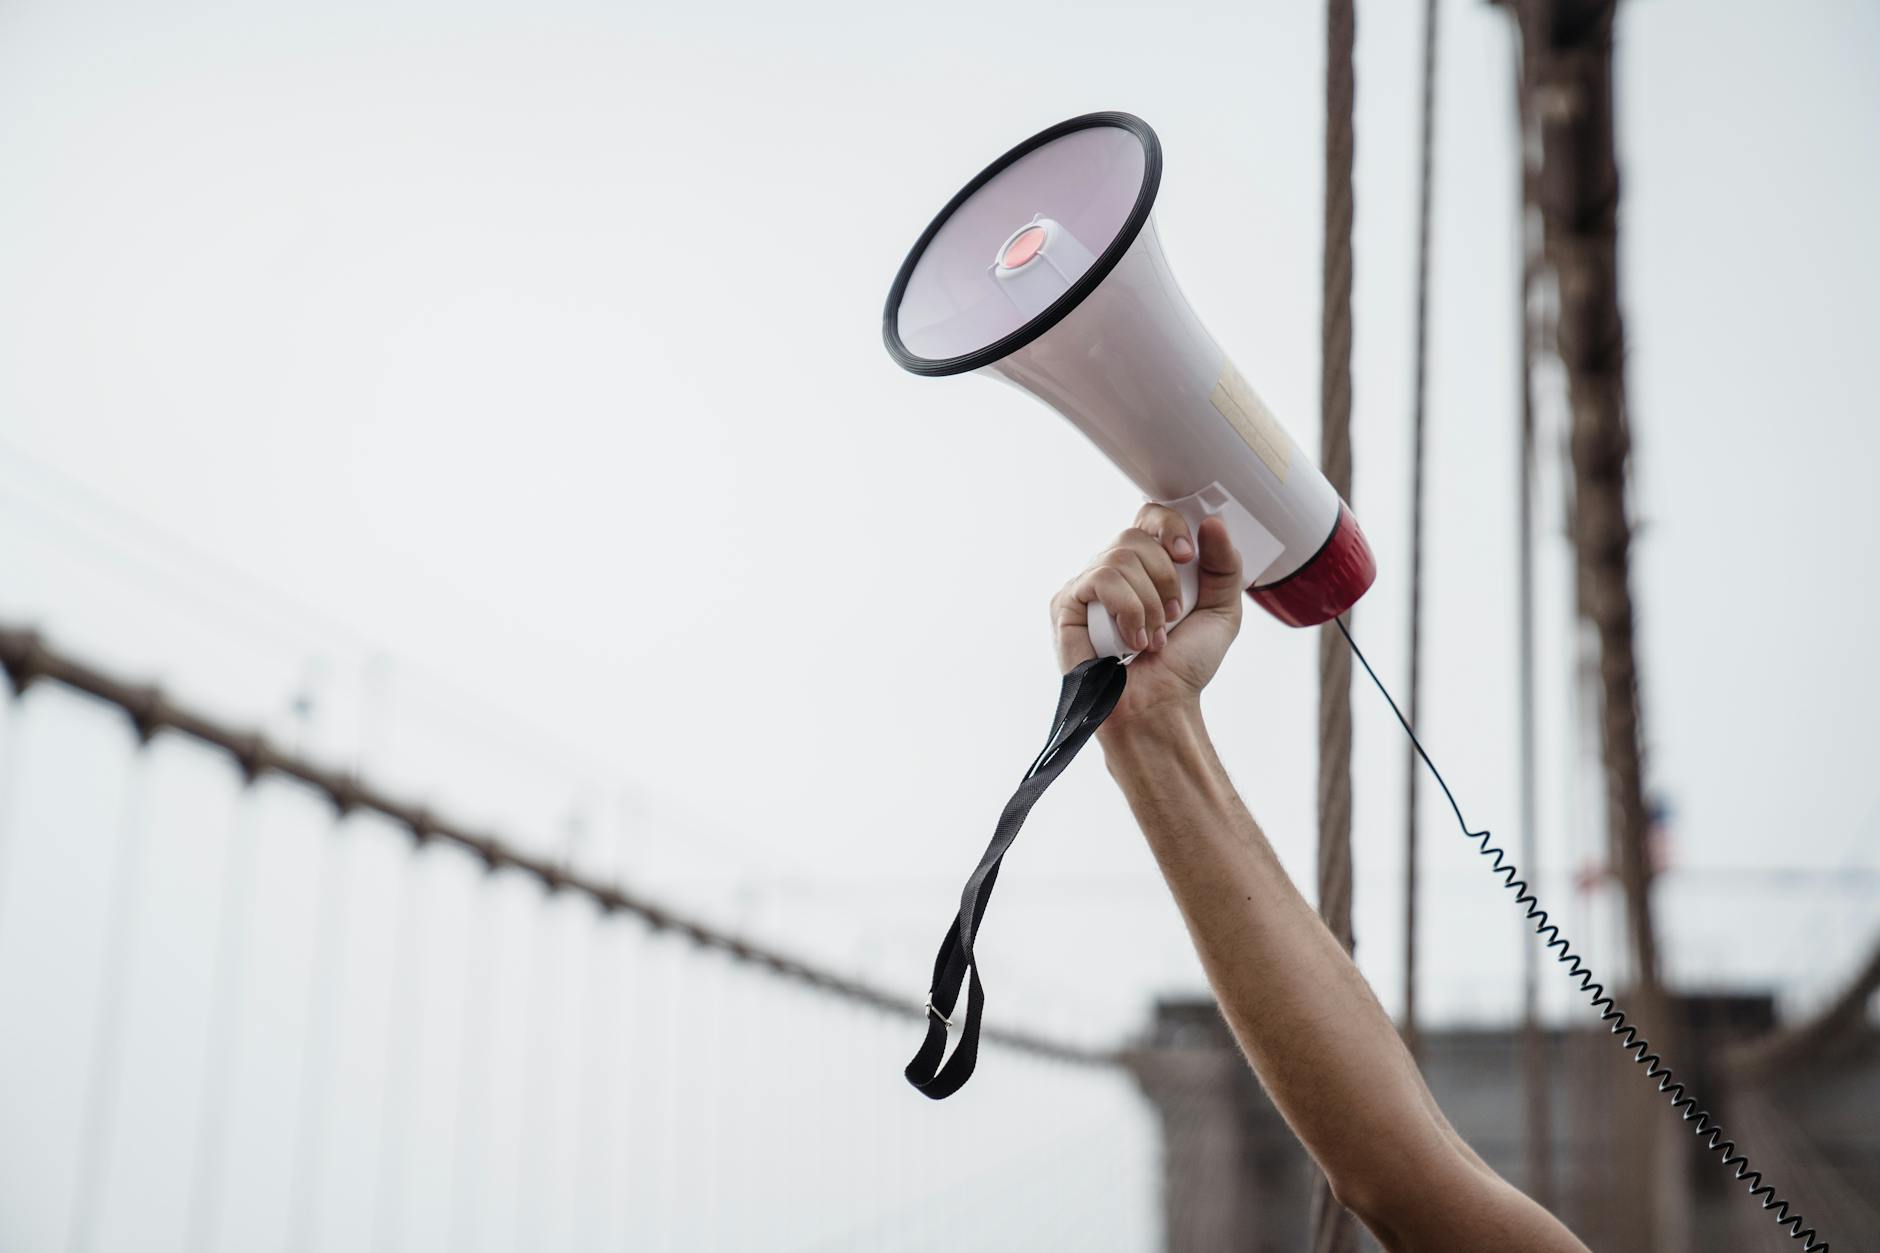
(1323, 1047)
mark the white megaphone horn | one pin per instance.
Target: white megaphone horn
(1046, 271)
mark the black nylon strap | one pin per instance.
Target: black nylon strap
(1089, 693)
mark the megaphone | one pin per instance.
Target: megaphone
(1046, 271)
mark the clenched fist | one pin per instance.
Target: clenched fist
(1135, 580)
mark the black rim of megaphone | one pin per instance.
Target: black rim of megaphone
(1085, 284)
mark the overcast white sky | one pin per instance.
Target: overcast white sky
(509, 376)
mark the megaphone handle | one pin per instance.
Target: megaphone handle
(1104, 635)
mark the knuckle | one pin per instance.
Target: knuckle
(1157, 561)
(1160, 520)
(1116, 592)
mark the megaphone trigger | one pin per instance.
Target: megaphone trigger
(1256, 545)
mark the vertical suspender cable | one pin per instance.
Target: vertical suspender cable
(401, 1060)
(225, 1015)
(599, 1065)
(1412, 776)
(1333, 1230)
(98, 1115)
(311, 1122)
(472, 1063)
(667, 1145)
(542, 998)
(9, 779)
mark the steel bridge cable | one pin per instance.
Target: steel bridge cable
(538, 993)
(712, 1096)
(502, 1081)
(647, 1030)
(1334, 797)
(98, 1115)
(401, 1060)
(608, 1146)
(323, 984)
(672, 1050)
(9, 782)
(1418, 403)
(546, 1001)
(1333, 1230)
(595, 1074)
(225, 1004)
(473, 1042)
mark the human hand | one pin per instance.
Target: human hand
(1135, 579)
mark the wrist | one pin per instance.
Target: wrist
(1157, 730)
(1165, 765)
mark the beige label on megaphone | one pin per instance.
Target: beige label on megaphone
(1236, 401)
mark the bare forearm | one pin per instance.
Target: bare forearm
(1321, 1044)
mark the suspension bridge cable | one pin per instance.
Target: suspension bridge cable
(665, 1173)
(712, 1097)
(98, 1113)
(640, 1059)
(1333, 1229)
(225, 1000)
(600, 1063)
(473, 1061)
(541, 1000)
(9, 786)
(311, 1123)
(401, 1062)
(27, 658)
(1418, 403)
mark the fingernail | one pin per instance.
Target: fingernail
(1161, 636)
(1174, 608)
(1142, 638)
(1182, 549)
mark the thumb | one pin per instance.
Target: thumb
(1220, 583)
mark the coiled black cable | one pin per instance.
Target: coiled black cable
(1706, 1128)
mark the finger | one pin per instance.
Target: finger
(1070, 617)
(1125, 562)
(1159, 567)
(1106, 585)
(1130, 559)
(1169, 528)
(1221, 583)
